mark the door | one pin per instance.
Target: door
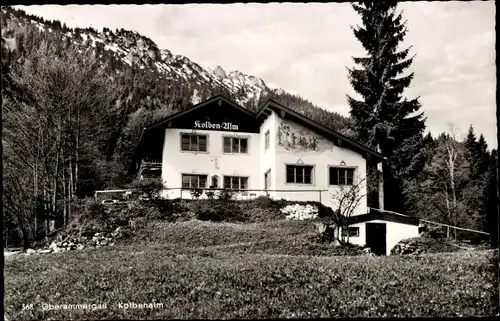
(376, 237)
(267, 181)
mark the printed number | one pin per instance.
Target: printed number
(28, 306)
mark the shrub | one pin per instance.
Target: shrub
(225, 195)
(217, 211)
(423, 244)
(196, 193)
(148, 187)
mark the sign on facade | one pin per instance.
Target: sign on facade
(210, 125)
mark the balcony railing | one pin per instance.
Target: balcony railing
(150, 160)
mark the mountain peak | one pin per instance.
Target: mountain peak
(219, 72)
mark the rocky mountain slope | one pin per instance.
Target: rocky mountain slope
(129, 48)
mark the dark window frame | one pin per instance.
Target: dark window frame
(191, 176)
(299, 174)
(232, 145)
(231, 181)
(267, 140)
(190, 137)
(343, 175)
(352, 230)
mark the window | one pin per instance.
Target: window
(194, 181)
(267, 139)
(353, 231)
(235, 145)
(341, 176)
(195, 143)
(299, 174)
(235, 182)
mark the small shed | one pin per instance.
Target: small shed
(381, 230)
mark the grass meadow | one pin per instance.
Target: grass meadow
(211, 270)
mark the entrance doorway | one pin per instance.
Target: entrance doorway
(376, 237)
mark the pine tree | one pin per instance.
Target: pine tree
(383, 118)
(471, 149)
(482, 157)
(490, 208)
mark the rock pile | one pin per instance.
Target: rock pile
(79, 242)
(408, 247)
(300, 212)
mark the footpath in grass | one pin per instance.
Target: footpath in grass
(190, 270)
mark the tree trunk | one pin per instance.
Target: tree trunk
(65, 219)
(35, 192)
(76, 166)
(54, 192)
(45, 211)
(71, 190)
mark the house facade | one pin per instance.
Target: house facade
(276, 152)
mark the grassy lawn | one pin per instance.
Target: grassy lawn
(224, 270)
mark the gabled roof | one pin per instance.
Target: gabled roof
(265, 111)
(382, 215)
(272, 105)
(198, 106)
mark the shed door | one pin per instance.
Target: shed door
(376, 237)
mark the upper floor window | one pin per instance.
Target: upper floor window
(194, 142)
(267, 139)
(235, 145)
(341, 176)
(194, 181)
(301, 174)
(235, 182)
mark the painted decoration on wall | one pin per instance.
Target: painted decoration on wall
(215, 160)
(296, 140)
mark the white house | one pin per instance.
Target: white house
(276, 152)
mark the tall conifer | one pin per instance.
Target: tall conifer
(383, 118)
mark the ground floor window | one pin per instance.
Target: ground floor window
(351, 231)
(194, 181)
(301, 174)
(235, 182)
(341, 176)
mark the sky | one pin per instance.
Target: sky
(304, 48)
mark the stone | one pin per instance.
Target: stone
(30, 252)
(80, 247)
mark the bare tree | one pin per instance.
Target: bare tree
(345, 200)
(446, 188)
(67, 103)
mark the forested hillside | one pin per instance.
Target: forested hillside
(75, 102)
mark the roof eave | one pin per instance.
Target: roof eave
(277, 105)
